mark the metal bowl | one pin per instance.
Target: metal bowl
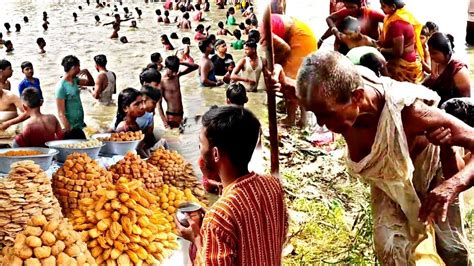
(184, 208)
(92, 152)
(116, 147)
(44, 160)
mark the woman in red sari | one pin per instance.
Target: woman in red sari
(400, 42)
(368, 19)
(451, 77)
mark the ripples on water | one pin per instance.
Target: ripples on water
(85, 40)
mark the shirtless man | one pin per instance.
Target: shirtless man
(351, 35)
(6, 72)
(171, 90)
(250, 67)
(116, 25)
(207, 75)
(385, 123)
(105, 84)
(185, 23)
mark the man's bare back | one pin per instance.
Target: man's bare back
(44, 123)
(171, 89)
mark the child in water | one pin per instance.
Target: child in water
(39, 128)
(17, 27)
(156, 61)
(7, 27)
(183, 53)
(97, 20)
(237, 44)
(230, 65)
(185, 23)
(206, 6)
(166, 43)
(1, 39)
(158, 13)
(236, 94)
(222, 30)
(130, 106)
(198, 13)
(230, 17)
(133, 26)
(41, 44)
(116, 25)
(200, 35)
(9, 46)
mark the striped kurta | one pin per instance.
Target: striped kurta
(247, 225)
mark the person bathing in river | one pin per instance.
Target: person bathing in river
(207, 73)
(41, 44)
(68, 97)
(39, 128)
(105, 84)
(351, 35)
(250, 68)
(171, 90)
(200, 35)
(166, 43)
(236, 94)
(116, 25)
(185, 23)
(222, 30)
(156, 61)
(131, 106)
(6, 72)
(9, 47)
(159, 18)
(183, 53)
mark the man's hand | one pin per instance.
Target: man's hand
(460, 136)
(435, 205)
(271, 81)
(219, 83)
(189, 233)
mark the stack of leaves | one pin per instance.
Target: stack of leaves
(121, 226)
(46, 242)
(133, 167)
(77, 179)
(176, 172)
(25, 193)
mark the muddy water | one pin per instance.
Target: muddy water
(86, 39)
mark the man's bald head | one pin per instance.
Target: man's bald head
(329, 75)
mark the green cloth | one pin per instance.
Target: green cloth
(355, 54)
(70, 93)
(237, 45)
(231, 20)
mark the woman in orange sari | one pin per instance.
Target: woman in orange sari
(400, 42)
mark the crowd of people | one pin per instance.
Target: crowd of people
(383, 88)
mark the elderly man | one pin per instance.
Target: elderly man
(384, 123)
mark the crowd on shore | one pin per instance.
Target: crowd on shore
(392, 87)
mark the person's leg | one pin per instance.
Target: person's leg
(75, 134)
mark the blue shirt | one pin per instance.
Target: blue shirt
(145, 121)
(24, 84)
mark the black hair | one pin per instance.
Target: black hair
(230, 11)
(212, 37)
(425, 31)
(432, 27)
(155, 57)
(350, 23)
(254, 22)
(357, 2)
(8, 43)
(242, 26)
(186, 15)
(200, 27)
(220, 24)
(45, 14)
(165, 37)
(186, 40)
(25, 19)
(182, 9)
(40, 41)
(123, 39)
(254, 35)
(234, 131)
(204, 44)
(167, 13)
(372, 62)
(126, 10)
(25, 65)
(97, 18)
(150, 75)
(397, 3)
(237, 34)
(7, 25)
(31, 97)
(125, 98)
(152, 93)
(1, 35)
(248, 21)
(80, 7)
(69, 62)
(461, 108)
(173, 35)
(4, 64)
(17, 27)
(442, 42)
(197, 6)
(236, 94)
(45, 26)
(172, 63)
(100, 60)
(139, 11)
(74, 14)
(158, 12)
(251, 43)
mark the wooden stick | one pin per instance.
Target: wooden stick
(271, 102)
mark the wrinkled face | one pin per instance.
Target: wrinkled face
(136, 108)
(222, 49)
(437, 56)
(387, 9)
(249, 51)
(28, 71)
(207, 162)
(335, 116)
